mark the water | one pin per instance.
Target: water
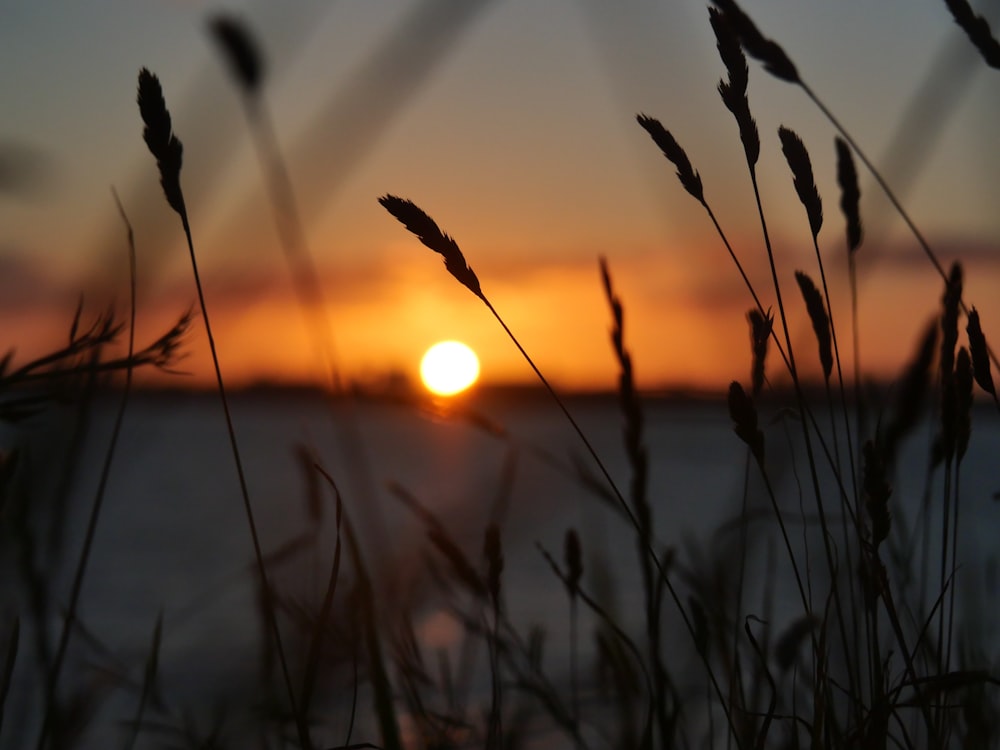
(173, 537)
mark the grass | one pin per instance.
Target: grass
(856, 636)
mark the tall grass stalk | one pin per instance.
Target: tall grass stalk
(734, 95)
(319, 632)
(876, 651)
(850, 200)
(608, 620)
(167, 149)
(691, 181)
(638, 459)
(248, 68)
(801, 167)
(493, 555)
(780, 65)
(365, 599)
(246, 64)
(573, 558)
(50, 718)
(427, 231)
(148, 689)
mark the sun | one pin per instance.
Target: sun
(449, 367)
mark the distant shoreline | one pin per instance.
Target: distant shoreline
(493, 394)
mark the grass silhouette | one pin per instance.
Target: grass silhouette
(852, 637)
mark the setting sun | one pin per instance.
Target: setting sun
(449, 367)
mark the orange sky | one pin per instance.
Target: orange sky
(512, 124)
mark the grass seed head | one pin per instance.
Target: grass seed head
(950, 302)
(730, 51)
(877, 492)
(744, 416)
(160, 139)
(850, 194)
(759, 47)
(760, 334)
(427, 231)
(240, 50)
(802, 177)
(978, 30)
(734, 90)
(963, 402)
(690, 179)
(980, 353)
(820, 320)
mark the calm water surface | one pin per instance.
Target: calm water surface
(174, 539)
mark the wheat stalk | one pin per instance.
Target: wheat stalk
(168, 151)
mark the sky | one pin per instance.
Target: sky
(512, 124)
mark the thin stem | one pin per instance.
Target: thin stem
(573, 688)
(305, 275)
(954, 568)
(852, 666)
(735, 686)
(303, 732)
(95, 510)
(788, 543)
(562, 406)
(824, 530)
(781, 352)
(861, 426)
(840, 377)
(924, 245)
(495, 737)
(946, 525)
(624, 505)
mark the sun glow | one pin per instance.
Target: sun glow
(449, 367)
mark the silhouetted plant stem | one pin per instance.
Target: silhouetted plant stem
(69, 621)
(850, 501)
(656, 562)
(574, 695)
(629, 644)
(150, 674)
(636, 453)
(428, 232)
(247, 65)
(944, 576)
(736, 696)
(860, 427)
(840, 384)
(877, 176)
(382, 688)
(164, 145)
(781, 66)
(493, 554)
(691, 181)
(316, 642)
(574, 567)
(267, 592)
(801, 401)
(897, 629)
(566, 412)
(305, 275)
